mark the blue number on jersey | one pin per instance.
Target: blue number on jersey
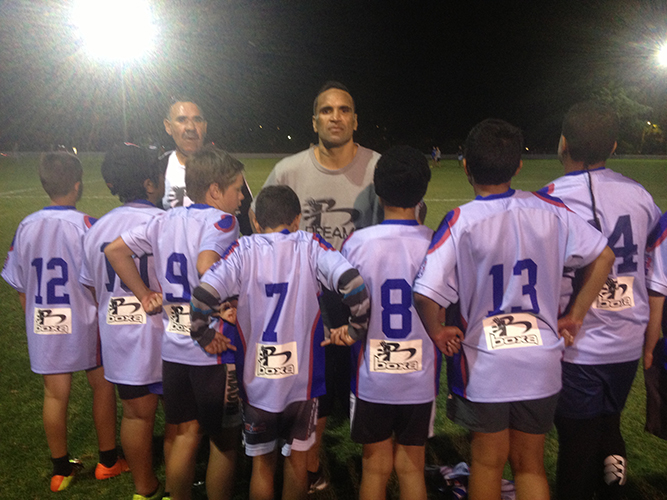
(280, 289)
(527, 289)
(180, 261)
(629, 249)
(401, 308)
(111, 273)
(51, 296)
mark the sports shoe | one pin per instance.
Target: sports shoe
(316, 481)
(102, 472)
(59, 483)
(158, 495)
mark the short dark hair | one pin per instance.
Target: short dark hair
(276, 205)
(58, 172)
(207, 166)
(590, 129)
(493, 151)
(331, 84)
(125, 169)
(402, 176)
(180, 98)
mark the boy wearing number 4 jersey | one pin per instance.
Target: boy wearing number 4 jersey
(43, 265)
(276, 275)
(396, 370)
(199, 386)
(501, 256)
(598, 369)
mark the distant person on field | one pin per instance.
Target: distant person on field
(276, 275)
(200, 393)
(43, 265)
(131, 339)
(501, 257)
(598, 369)
(396, 370)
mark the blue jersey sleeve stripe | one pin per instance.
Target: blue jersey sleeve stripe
(658, 234)
(230, 250)
(444, 231)
(542, 194)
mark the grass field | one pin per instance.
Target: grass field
(24, 457)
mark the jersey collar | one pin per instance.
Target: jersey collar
(498, 196)
(60, 207)
(579, 172)
(199, 206)
(141, 202)
(401, 222)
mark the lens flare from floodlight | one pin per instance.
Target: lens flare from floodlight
(662, 55)
(120, 30)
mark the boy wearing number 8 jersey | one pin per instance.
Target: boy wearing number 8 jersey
(43, 265)
(199, 387)
(501, 256)
(598, 369)
(276, 275)
(396, 370)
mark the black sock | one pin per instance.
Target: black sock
(109, 458)
(61, 466)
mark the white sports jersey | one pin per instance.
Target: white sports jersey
(176, 239)
(656, 260)
(502, 257)
(174, 184)
(613, 330)
(44, 262)
(131, 339)
(398, 363)
(276, 278)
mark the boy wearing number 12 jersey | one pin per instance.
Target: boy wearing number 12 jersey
(276, 275)
(598, 369)
(501, 256)
(199, 387)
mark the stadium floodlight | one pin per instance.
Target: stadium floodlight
(662, 55)
(115, 31)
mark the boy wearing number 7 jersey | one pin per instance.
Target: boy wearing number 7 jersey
(276, 275)
(43, 265)
(501, 256)
(199, 392)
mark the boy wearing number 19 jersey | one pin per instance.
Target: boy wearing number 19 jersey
(599, 368)
(199, 391)
(396, 370)
(501, 256)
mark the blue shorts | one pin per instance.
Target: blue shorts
(591, 391)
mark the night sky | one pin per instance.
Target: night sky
(421, 73)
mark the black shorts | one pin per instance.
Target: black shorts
(591, 391)
(291, 429)
(534, 416)
(371, 423)
(655, 379)
(127, 392)
(208, 394)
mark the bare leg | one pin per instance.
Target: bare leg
(314, 452)
(181, 460)
(170, 431)
(527, 460)
(377, 464)
(409, 462)
(54, 413)
(136, 436)
(295, 482)
(222, 464)
(261, 481)
(489, 455)
(104, 408)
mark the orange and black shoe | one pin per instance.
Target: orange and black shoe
(59, 483)
(103, 472)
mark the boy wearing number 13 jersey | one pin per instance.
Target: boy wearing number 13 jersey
(599, 368)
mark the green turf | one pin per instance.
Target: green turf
(24, 457)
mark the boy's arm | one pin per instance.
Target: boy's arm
(355, 296)
(120, 258)
(205, 260)
(655, 303)
(205, 302)
(446, 338)
(595, 275)
(22, 300)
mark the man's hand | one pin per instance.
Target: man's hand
(219, 344)
(227, 311)
(568, 329)
(448, 339)
(338, 336)
(152, 302)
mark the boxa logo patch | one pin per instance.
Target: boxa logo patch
(125, 311)
(616, 294)
(507, 331)
(179, 318)
(391, 356)
(276, 361)
(53, 321)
